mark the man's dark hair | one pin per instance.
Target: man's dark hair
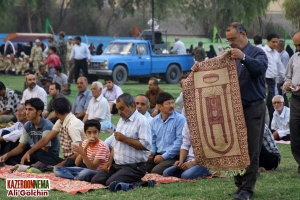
(162, 97)
(30, 71)
(239, 27)
(58, 68)
(91, 123)
(108, 78)
(57, 86)
(53, 48)
(155, 81)
(77, 38)
(37, 103)
(62, 106)
(257, 39)
(40, 66)
(127, 98)
(271, 36)
(2, 86)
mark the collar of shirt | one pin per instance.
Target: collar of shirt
(41, 124)
(131, 118)
(68, 117)
(99, 98)
(282, 112)
(84, 93)
(268, 48)
(172, 116)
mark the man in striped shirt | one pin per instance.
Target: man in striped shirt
(129, 153)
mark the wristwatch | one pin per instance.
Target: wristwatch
(244, 57)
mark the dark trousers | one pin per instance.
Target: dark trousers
(124, 173)
(14, 160)
(80, 64)
(254, 117)
(279, 88)
(152, 167)
(270, 94)
(47, 158)
(295, 127)
(268, 160)
(7, 146)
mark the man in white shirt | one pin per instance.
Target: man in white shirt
(178, 47)
(284, 57)
(9, 137)
(280, 125)
(142, 105)
(111, 93)
(81, 54)
(275, 71)
(98, 108)
(33, 91)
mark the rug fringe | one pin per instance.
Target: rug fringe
(229, 173)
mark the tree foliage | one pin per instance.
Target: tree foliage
(292, 8)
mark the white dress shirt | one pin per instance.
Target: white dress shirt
(15, 132)
(179, 48)
(99, 108)
(113, 94)
(36, 92)
(275, 67)
(80, 52)
(281, 122)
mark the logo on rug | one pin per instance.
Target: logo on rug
(30, 187)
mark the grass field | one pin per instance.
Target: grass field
(280, 184)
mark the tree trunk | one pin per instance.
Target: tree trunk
(28, 16)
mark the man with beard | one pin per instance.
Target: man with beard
(166, 130)
(33, 91)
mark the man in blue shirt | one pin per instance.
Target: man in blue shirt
(166, 129)
(36, 128)
(82, 98)
(252, 64)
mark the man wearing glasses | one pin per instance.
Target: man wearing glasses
(252, 64)
(292, 84)
(280, 125)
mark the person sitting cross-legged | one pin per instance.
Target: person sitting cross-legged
(280, 124)
(186, 167)
(93, 154)
(166, 129)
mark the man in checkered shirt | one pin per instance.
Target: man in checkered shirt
(9, 102)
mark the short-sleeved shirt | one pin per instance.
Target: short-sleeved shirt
(62, 79)
(99, 108)
(10, 101)
(113, 94)
(99, 151)
(50, 105)
(31, 134)
(81, 101)
(70, 130)
(152, 96)
(36, 92)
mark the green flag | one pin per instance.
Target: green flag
(47, 26)
(215, 34)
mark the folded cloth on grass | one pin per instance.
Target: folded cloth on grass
(214, 113)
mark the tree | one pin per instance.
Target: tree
(292, 8)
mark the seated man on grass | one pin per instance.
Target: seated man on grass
(34, 130)
(166, 129)
(280, 124)
(111, 93)
(69, 128)
(93, 154)
(186, 167)
(127, 161)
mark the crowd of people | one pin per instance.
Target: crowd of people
(152, 134)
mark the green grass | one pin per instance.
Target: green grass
(280, 184)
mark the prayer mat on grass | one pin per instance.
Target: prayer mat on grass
(282, 142)
(75, 186)
(214, 113)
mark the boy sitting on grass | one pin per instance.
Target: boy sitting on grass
(93, 154)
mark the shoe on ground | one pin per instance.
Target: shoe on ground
(243, 195)
(233, 194)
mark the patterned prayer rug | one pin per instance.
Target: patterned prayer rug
(76, 186)
(214, 112)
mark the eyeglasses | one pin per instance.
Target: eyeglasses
(277, 102)
(297, 45)
(231, 39)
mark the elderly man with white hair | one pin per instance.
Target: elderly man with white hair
(178, 47)
(98, 108)
(280, 124)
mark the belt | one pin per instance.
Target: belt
(295, 96)
(255, 103)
